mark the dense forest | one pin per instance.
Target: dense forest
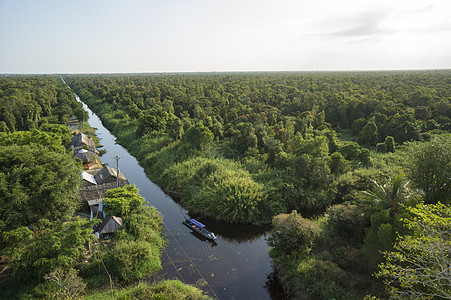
(245, 147)
(352, 169)
(26, 102)
(349, 167)
(47, 250)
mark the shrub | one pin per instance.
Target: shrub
(169, 290)
(144, 223)
(317, 279)
(215, 187)
(338, 164)
(51, 245)
(350, 150)
(346, 222)
(230, 197)
(198, 137)
(369, 133)
(292, 235)
(134, 260)
(121, 201)
(429, 167)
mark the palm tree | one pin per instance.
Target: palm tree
(391, 195)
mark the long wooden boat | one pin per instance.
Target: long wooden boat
(197, 226)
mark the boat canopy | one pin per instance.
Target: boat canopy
(195, 222)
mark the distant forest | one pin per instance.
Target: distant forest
(26, 102)
(244, 147)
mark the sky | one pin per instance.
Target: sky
(136, 36)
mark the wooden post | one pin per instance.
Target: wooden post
(117, 168)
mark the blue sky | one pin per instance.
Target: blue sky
(110, 36)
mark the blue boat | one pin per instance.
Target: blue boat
(197, 226)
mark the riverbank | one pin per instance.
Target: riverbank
(150, 225)
(237, 267)
(204, 182)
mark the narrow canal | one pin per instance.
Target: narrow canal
(235, 266)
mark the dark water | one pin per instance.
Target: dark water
(235, 266)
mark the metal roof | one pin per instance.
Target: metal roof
(195, 222)
(88, 177)
(94, 202)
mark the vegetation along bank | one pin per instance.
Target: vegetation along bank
(364, 152)
(47, 250)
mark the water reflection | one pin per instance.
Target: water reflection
(236, 233)
(275, 288)
(240, 233)
(203, 239)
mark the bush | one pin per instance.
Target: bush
(198, 137)
(230, 197)
(36, 183)
(381, 147)
(338, 164)
(51, 245)
(380, 236)
(369, 133)
(389, 144)
(350, 150)
(429, 167)
(216, 188)
(122, 201)
(292, 235)
(144, 223)
(168, 290)
(346, 222)
(135, 260)
(317, 279)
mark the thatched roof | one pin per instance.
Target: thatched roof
(94, 202)
(97, 192)
(82, 139)
(107, 174)
(86, 156)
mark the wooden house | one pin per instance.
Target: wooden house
(91, 196)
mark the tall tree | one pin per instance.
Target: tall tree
(122, 201)
(52, 245)
(429, 166)
(36, 183)
(418, 267)
(391, 195)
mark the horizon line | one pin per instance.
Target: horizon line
(229, 71)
